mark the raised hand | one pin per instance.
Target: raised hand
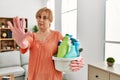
(18, 31)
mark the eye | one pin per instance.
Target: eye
(39, 17)
(44, 17)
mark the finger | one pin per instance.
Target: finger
(23, 24)
(77, 64)
(14, 22)
(75, 68)
(74, 65)
(10, 26)
(18, 23)
(28, 33)
(82, 61)
(74, 61)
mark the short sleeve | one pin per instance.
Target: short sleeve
(60, 37)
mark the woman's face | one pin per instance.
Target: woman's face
(43, 21)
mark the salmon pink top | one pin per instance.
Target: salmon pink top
(41, 66)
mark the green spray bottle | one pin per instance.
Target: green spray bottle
(64, 47)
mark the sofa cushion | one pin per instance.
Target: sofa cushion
(26, 71)
(11, 58)
(17, 71)
(24, 58)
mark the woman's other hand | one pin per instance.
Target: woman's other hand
(77, 64)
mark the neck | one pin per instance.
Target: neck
(44, 31)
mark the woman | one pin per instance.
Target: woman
(42, 46)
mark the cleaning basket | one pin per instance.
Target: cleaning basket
(63, 64)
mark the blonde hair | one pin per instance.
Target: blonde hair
(48, 11)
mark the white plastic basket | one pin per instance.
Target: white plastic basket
(63, 64)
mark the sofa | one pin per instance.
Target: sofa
(13, 62)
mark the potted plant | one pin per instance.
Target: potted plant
(110, 61)
(35, 28)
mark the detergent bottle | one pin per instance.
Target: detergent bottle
(64, 47)
(77, 44)
(72, 53)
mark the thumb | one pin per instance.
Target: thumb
(28, 33)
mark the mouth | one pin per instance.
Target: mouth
(40, 24)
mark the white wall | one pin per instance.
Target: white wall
(90, 26)
(90, 33)
(58, 15)
(21, 8)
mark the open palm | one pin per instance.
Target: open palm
(18, 31)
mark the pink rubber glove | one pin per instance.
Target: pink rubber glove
(18, 32)
(77, 64)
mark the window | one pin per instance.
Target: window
(51, 5)
(69, 17)
(112, 33)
